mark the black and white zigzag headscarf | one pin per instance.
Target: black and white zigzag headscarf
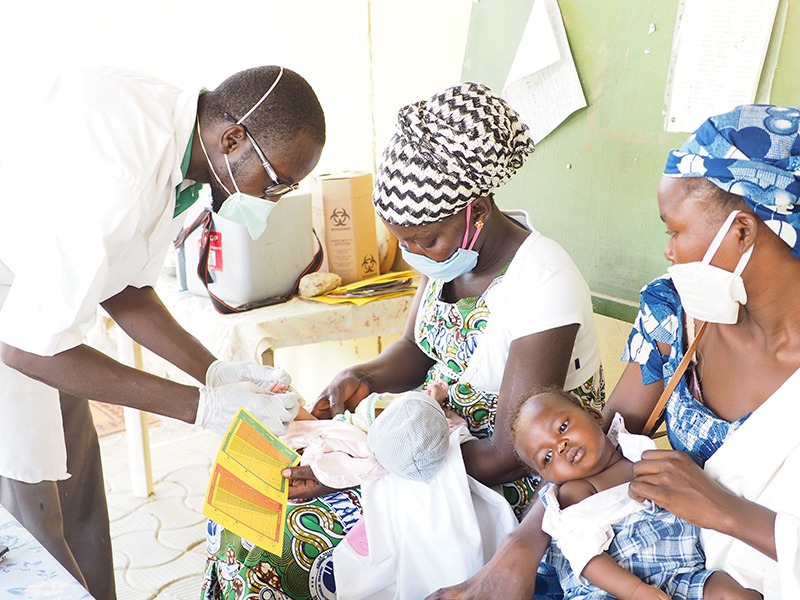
(446, 151)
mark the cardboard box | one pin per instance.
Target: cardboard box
(245, 270)
(344, 216)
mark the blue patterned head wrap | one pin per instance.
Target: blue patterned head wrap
(752, 151)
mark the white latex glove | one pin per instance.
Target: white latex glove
(221, 373)
(218, 407)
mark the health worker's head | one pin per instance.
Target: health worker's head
(262, 131)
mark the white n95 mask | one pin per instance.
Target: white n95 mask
(245, 209)
(249, 211)
(709, 293)
(240, 208)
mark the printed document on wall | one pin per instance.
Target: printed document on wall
(542, 84)
(718, 53)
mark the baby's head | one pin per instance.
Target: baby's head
(410, 438)
(559, 438)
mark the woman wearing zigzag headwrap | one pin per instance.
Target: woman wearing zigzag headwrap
(729, 199)
(500, 308)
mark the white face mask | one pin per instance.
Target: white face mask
(709, 293)
(244, 209)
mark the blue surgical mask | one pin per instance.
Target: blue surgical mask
(244, 209)
(462, 261)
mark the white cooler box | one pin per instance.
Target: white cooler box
(243, 270)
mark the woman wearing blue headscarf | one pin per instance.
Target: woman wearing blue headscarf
(730, 199)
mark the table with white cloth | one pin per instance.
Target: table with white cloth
(30, 571)
(252, 336)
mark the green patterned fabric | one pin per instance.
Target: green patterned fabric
(236, 569)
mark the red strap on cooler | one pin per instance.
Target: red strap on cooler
(206, 221)
(188, 230)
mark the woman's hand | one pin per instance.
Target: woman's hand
(510, 575)
(673, 481)
(670, 479)
(511, 572)
(303, 485)
(346, 391)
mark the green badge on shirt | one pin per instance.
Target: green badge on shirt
(187, 196)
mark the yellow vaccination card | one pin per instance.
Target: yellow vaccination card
(247, 494)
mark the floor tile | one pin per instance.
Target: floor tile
(172, 513)
(125, 591)
(184, 538)
(144, 551)
(159, 541)
(152, 580)
(134, 521)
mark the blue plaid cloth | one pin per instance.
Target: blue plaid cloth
(691, 426)
(548, 586)
(653, 544)
(752, 151)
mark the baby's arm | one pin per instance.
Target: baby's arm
(438, 391)
(304, 415)
(604, 572)
(278, 388)
(572, 492)
(281, 388)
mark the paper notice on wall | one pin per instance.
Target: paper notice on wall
(542, 84)
(718, 53)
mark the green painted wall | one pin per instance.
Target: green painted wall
(602, 208)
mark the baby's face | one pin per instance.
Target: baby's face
(560, 440)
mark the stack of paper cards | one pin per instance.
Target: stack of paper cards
(388, 285)
(247, 494)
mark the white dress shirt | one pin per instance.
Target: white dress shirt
(88, 174)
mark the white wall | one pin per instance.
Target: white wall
(364, 58)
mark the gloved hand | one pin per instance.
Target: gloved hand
(221, 373)
(218, 406)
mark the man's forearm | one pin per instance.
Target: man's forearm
(142, 315)
(87, 373)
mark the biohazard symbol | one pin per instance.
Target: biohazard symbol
(369, 264)
(339, 217)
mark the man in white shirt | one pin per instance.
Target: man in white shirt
(95, 171)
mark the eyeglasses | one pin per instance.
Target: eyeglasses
(278, 188)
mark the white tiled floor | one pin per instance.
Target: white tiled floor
(158, 542)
